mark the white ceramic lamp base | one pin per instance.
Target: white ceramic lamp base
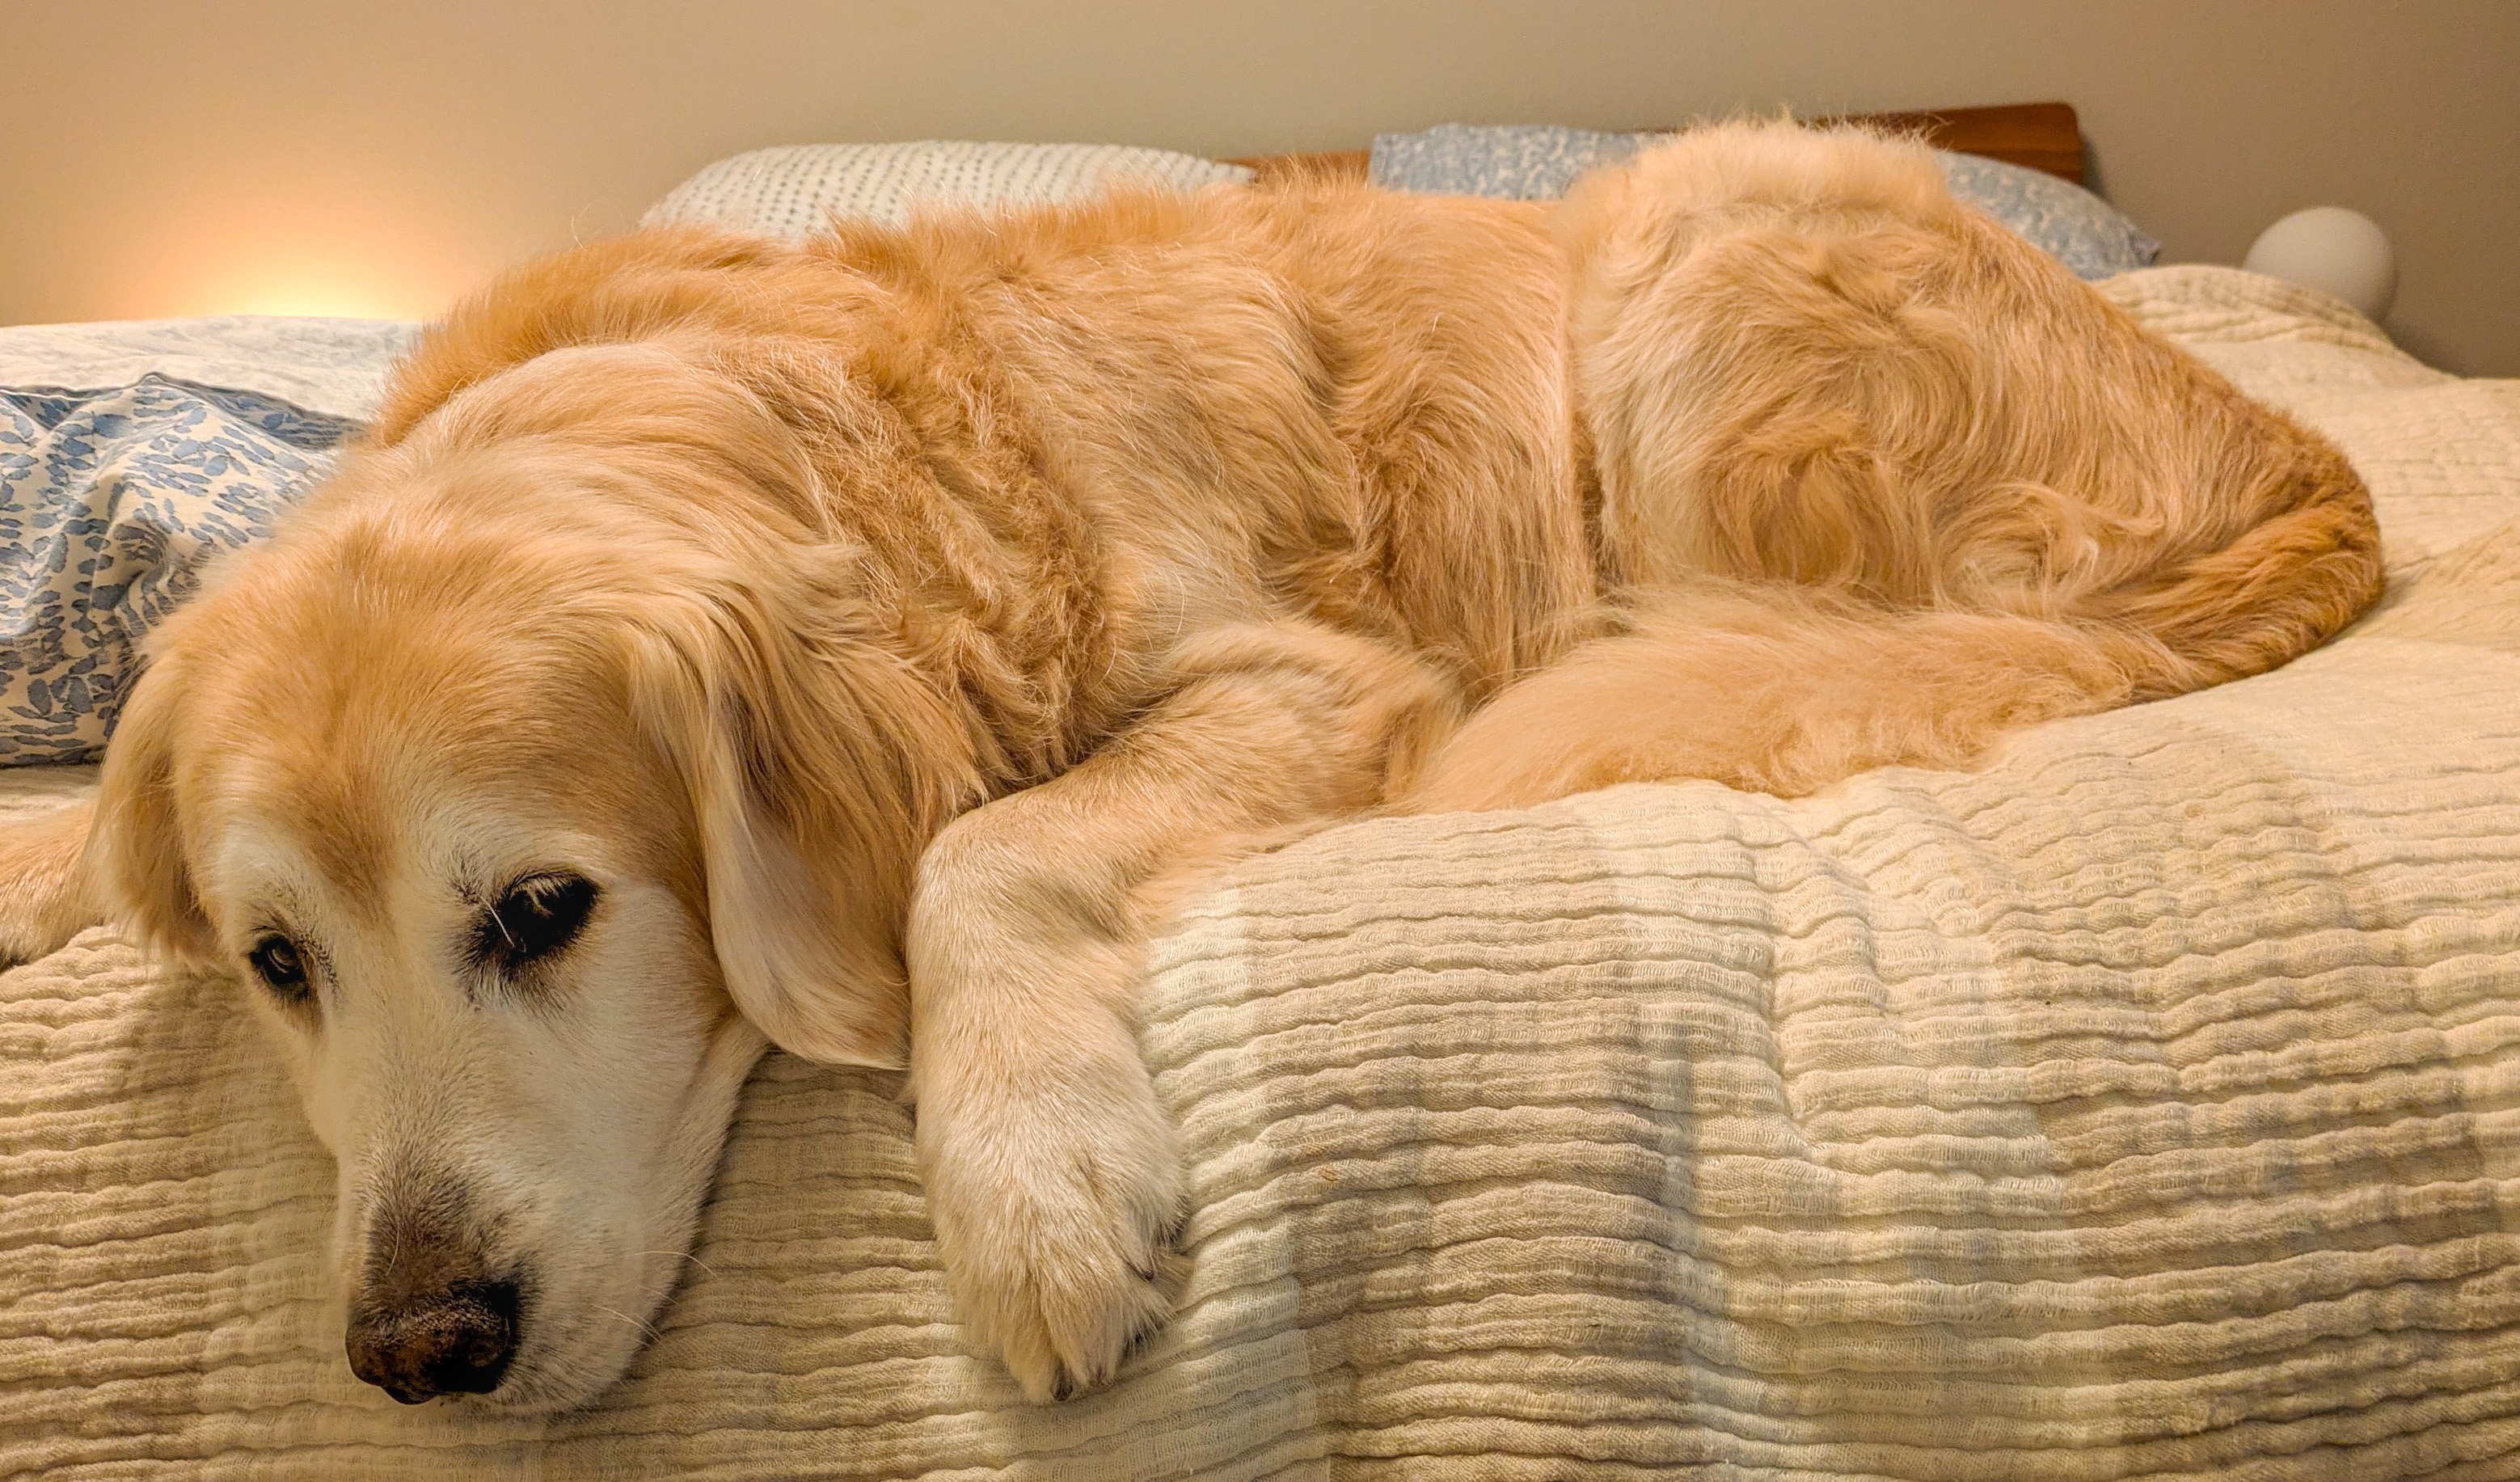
(2329, 248)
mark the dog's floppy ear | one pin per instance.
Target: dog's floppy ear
(819, 765)
(136, 863)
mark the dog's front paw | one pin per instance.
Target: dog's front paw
(1055, 1209)
(44, 895)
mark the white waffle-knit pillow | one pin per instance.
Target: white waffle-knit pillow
(794, 190)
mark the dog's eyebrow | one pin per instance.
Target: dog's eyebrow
(274, 907)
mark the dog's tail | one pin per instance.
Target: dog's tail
(1783, 689)
(2305, 562)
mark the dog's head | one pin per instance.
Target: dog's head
(545, 765)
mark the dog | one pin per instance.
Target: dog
(853, 646)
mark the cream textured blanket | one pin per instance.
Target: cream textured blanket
(2146, 1104)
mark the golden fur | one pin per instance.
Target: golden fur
(903, 617)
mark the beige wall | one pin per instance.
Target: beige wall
(164, 158)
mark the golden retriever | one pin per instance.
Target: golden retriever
(850, 647)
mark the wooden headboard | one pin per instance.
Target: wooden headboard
(2045, 136)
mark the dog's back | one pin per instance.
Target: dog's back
(1882, 480)
(1319, 399)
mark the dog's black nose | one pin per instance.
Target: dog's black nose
(456, 1342)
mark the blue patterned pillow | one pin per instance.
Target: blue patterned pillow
(2086, 234)
(1508, 161)
(111, 503)
(1539, 161)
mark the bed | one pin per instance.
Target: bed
(2147, 1103)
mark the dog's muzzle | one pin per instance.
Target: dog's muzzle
(431, 1316)
(457, 1341)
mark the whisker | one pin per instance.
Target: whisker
(649, 1328)
(686, 1255)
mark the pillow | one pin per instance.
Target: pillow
(111, 503)
(334, 365)
(1503, 161)
(793, 192)
(2086, 234)
(1538, 162)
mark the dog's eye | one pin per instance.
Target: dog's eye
(275, 960)
(537, 916)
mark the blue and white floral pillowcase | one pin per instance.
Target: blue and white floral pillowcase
(2086, 234)
(1539, 162)
(110, 503)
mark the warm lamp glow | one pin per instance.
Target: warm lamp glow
(331, 257)
(338, 288)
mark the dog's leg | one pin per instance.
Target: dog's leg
(1051, 1171)
(44, 899)
(1773, 690)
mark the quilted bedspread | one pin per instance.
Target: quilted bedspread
(2146, 1103)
